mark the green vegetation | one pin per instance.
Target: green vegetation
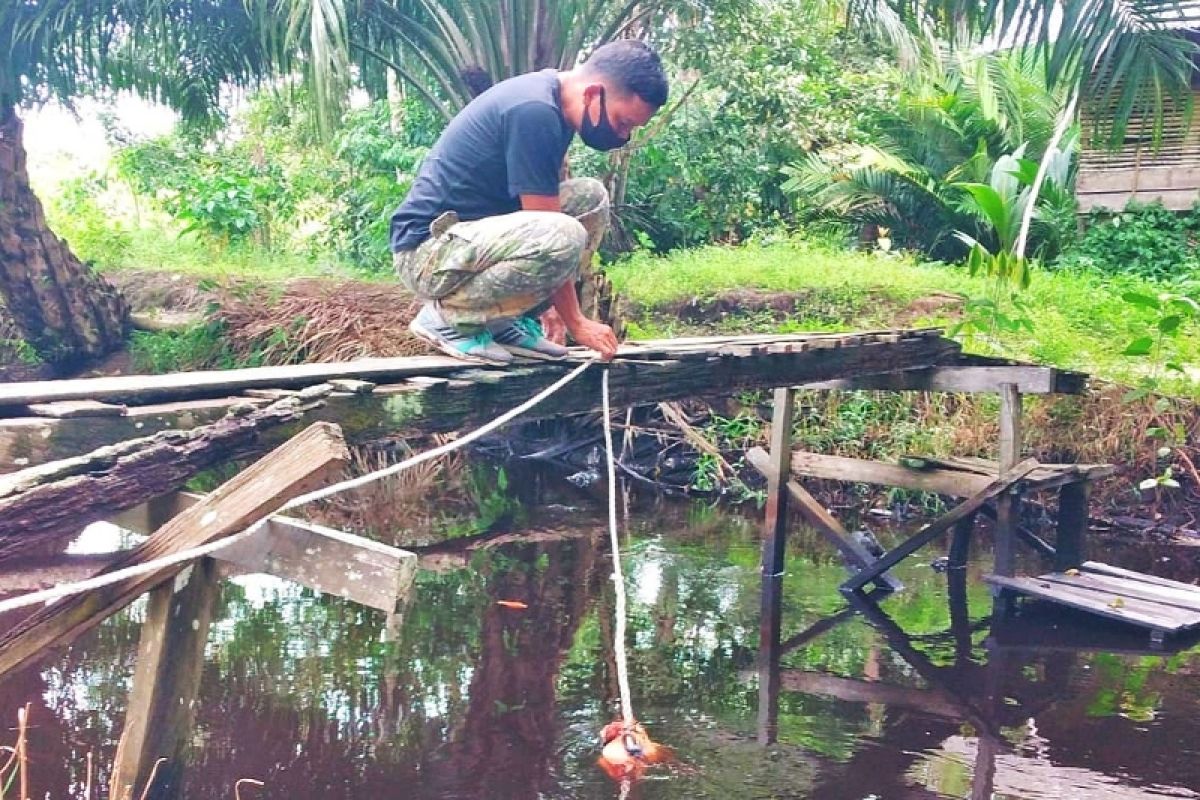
(1081, 319)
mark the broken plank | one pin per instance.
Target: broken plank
(298, 466)
(326, 560)
(65, 409)
(1124, 587)
(1138, 612)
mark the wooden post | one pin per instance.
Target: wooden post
(775, 525)
(960, 543)
(158, 720)
(1008, 505)
(768, 665)
(1072, 526)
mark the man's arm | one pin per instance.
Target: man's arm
(589, 333)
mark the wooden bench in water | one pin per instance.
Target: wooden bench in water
(1162, 606)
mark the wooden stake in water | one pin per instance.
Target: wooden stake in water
(617, 576)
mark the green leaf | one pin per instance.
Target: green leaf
(1175, 366)
(1139, 347)
(1148, 483)
(1143, 300)
(1170, 324)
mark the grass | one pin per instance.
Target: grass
(1080, 320)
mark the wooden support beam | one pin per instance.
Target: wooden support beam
(822, 521)
(1070, 544)
(42, 506)
(1008, 504)
(326, 560)
(775, 532)
(934, 701)
(939, 526)
(298, 466)
(840, 468)
(166, 679)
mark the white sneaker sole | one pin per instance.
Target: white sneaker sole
(535, 354)
(441, 344)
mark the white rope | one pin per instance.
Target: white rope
(617, 576)
(108, 578)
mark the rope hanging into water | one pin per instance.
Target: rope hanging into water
(617, 576)
(108, 578)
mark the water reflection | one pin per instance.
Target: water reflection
(914, 695)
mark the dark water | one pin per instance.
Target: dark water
(915, 697)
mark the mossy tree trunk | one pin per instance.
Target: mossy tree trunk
(66, 311)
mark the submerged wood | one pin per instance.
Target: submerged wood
(41, 506)
(456, 397)
(303, 463)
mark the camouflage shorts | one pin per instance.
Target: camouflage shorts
(501, 267)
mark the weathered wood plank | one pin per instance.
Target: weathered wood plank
(301, 464)
(63, 409)
(1138, 612)
(1107, 569)
(1125, 587)
(475, 396)
(1096, 181)
(1172, 199)
(326, 560)
(841, 468)
(42, 506)
(166, 679)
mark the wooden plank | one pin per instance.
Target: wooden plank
(1107, 569)
(166, 679)
(822, 521)
(1030, 380)
(294, 468)
(351, 385)
(841, 468)
(466, 402)
(326, 560)
(1172, 200)
(939, 526)
(1124, 587)
(65, 409)
(1094, 181)
(1138, 612)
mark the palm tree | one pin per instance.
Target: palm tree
(431, 44)
(184, 53)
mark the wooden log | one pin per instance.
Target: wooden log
(823, 522)
(939, 526)
(329, 561)
(294, 468)
(42, 506)
(166, 680)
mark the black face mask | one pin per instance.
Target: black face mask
(600, 136)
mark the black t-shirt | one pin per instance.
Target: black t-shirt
(508, 141)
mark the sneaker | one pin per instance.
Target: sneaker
(523, 337)
(478, 347)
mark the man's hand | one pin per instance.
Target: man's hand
(553, 327)
(596, 336)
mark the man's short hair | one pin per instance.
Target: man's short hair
(633, 66)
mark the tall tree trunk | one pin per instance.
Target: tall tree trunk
(67, 312)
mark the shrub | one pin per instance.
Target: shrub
(1144, 240)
